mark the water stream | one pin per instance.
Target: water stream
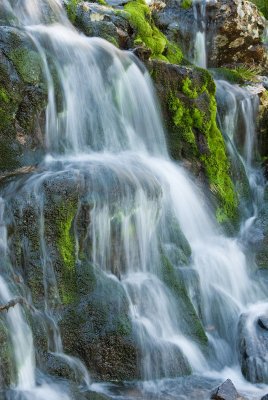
(104, 134)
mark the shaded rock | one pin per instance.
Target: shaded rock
(253, 346)
(22, 100)
(6, 358)
(226, 391)
(265, 397)
(261, 245)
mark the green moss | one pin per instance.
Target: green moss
(71, 10)
(148, 34)
(184, 119)
(188, 89)
(6, 109)
(102, 2)
(186, 4)
(262, 6)
(218, 168)
(190, 116)
(66, 248)
(28, 64)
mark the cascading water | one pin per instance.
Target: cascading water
(101, 132)
(200, 52)
(238, 108)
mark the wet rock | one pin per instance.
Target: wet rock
(265, 397)
(6, 364)
(226, 391)
(186, 95)
(253, 346)
(263, 322)
(261, 247)
(22, 100)
(102, 21)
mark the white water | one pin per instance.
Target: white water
(200, 48)
(104, 125)
(238, 123)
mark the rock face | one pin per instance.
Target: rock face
(51, 249)
(226, 391)
(253, 346)
(236, 31)
(105, 22)
(22, 100)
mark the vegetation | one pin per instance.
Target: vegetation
(262, 6)
(149, 35)
(186, 4)
(198, 116)
(240, 74)
(66, 248)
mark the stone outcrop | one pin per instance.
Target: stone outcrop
(235, 30)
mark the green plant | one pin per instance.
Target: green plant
(262, 6)
(139, 16)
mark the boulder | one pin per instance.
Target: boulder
(235, 30)
(253, 346)
(226, 391)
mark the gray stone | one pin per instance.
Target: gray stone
(226, 391)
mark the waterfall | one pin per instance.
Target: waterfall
(238, 108)
(200, 49)
(103, 130)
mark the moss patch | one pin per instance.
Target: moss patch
(28, 64)
(66, 248)
(71, 10)
(149, 35)
(193, 121)
(186, 4)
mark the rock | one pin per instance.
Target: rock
(6, 357)
(186, 95)
(253, 346)
(261, 246)
(102, 21)
(235, 30)
(22, 100)
(263, 322)
(226, 391)
(265, 397)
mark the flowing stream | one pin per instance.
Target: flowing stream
(103, 131)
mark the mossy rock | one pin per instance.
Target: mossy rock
(98, 330)
(6, 359)
(100, 20)
(147, 34)
(187, 97)
(23, 100)
(189, 320)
